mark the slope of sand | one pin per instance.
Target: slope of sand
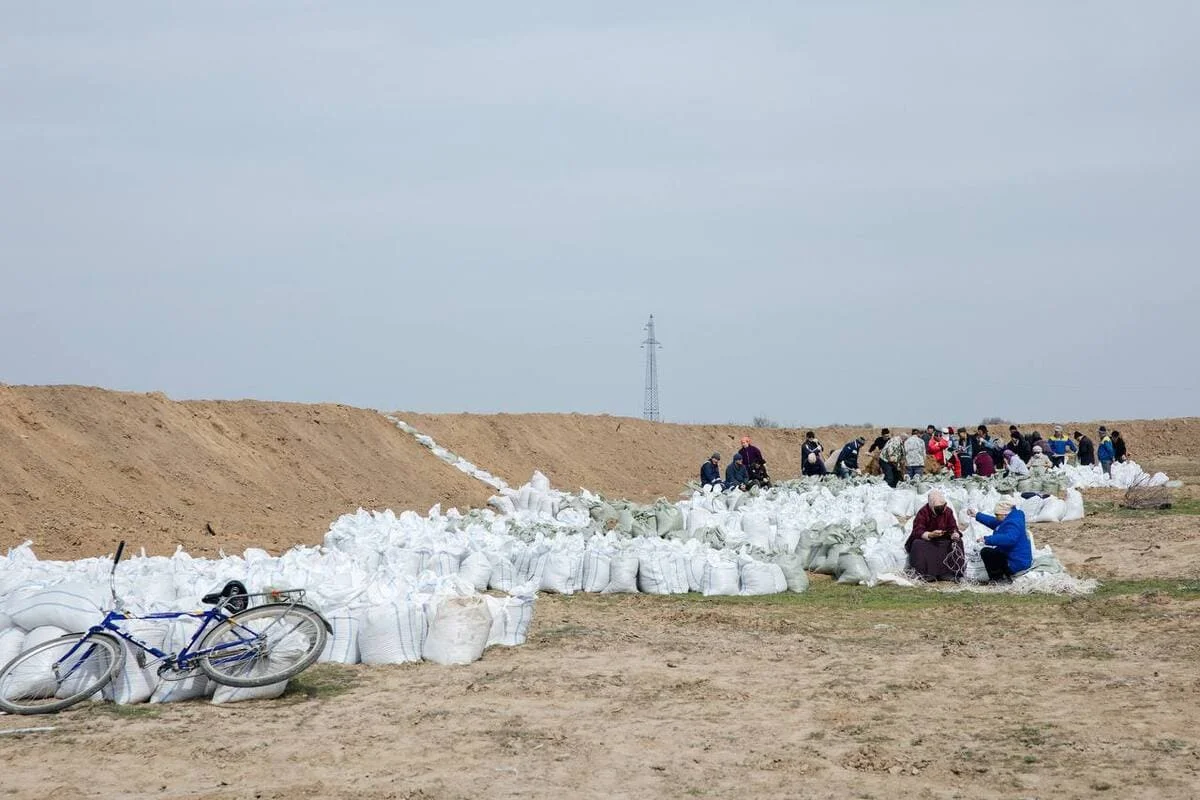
(82, 468)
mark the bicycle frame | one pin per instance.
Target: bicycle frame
(184, 660)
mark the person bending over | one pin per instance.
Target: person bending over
(1007, 552)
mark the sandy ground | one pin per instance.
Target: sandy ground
(841, 692)
(637, 696)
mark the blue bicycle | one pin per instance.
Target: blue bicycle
(236, 643)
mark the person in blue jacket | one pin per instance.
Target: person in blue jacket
(710, 472)
(1007, 552)
(1105, 453)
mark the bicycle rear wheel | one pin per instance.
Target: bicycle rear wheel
(263, 645)
(59, 673)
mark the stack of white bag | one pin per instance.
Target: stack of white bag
(388, 606)
(1122, 475)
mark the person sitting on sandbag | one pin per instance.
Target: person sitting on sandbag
(1040, 463)
(736, 475)
(847, 460)
(812, 455)
(756, 465)
(1007, 552)
(710, 472)
(935, 550)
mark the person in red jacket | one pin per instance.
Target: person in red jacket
(937, 447)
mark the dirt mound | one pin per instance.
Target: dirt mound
(625, 457)
(82, 468)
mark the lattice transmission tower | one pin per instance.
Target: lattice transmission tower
(650, 409)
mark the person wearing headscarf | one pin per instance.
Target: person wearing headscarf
(710, 471)
(937, 446)
(1040, 462)
(736, 475)
(1014, 463)
(935, 545)
(812, 455)
(1006, 552)
(985, 466)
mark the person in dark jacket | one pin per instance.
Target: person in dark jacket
(751, 455)
(847, 460)
(880, 441)
(1120, 453)
(1021, 446)
(710, 471)
(736, 475)
(1087, 449)
(812, 455)
(1007, 552)
(935, 545)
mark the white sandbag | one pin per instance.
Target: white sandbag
(758, 577)
(341, 646)
(787, 537)
(1032, 506)
(794, 574)
(596, 570)
(662, 572)
(563, 571)
(12, 642)
(853, 569)
(1074, 509)
(539, 481)
(903, 503)
(459, 630)
(504, 575)
(696, 562)
(233, 694)
(1052, 510)
(623, 573)
(757, 527)
(511, 618)
(37, 674)
(73, 607)
(169, 689)
(529, 564)
(476, 570)
(393, 633)
(137, 679)
(722, 577)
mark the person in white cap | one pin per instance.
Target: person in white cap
(1008, 551)
(1060, 445)
(1040, 463)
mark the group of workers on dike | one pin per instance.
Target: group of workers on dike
(935, 546)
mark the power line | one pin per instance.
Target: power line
(650, 409)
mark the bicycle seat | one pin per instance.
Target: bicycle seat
(233, 595)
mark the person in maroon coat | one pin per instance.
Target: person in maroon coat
(935, 546)
(751, 455)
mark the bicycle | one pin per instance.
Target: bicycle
(236, 644)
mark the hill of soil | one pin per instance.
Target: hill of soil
(81, 468)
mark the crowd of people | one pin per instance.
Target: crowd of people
(934, 547)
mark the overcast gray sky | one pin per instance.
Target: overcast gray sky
(836, 211)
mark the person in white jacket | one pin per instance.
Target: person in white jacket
(914, 454)
(1015, 465)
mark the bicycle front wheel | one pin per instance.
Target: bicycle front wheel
(263, 645)
(59, 673)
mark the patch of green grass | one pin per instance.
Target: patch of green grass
(322, 681)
